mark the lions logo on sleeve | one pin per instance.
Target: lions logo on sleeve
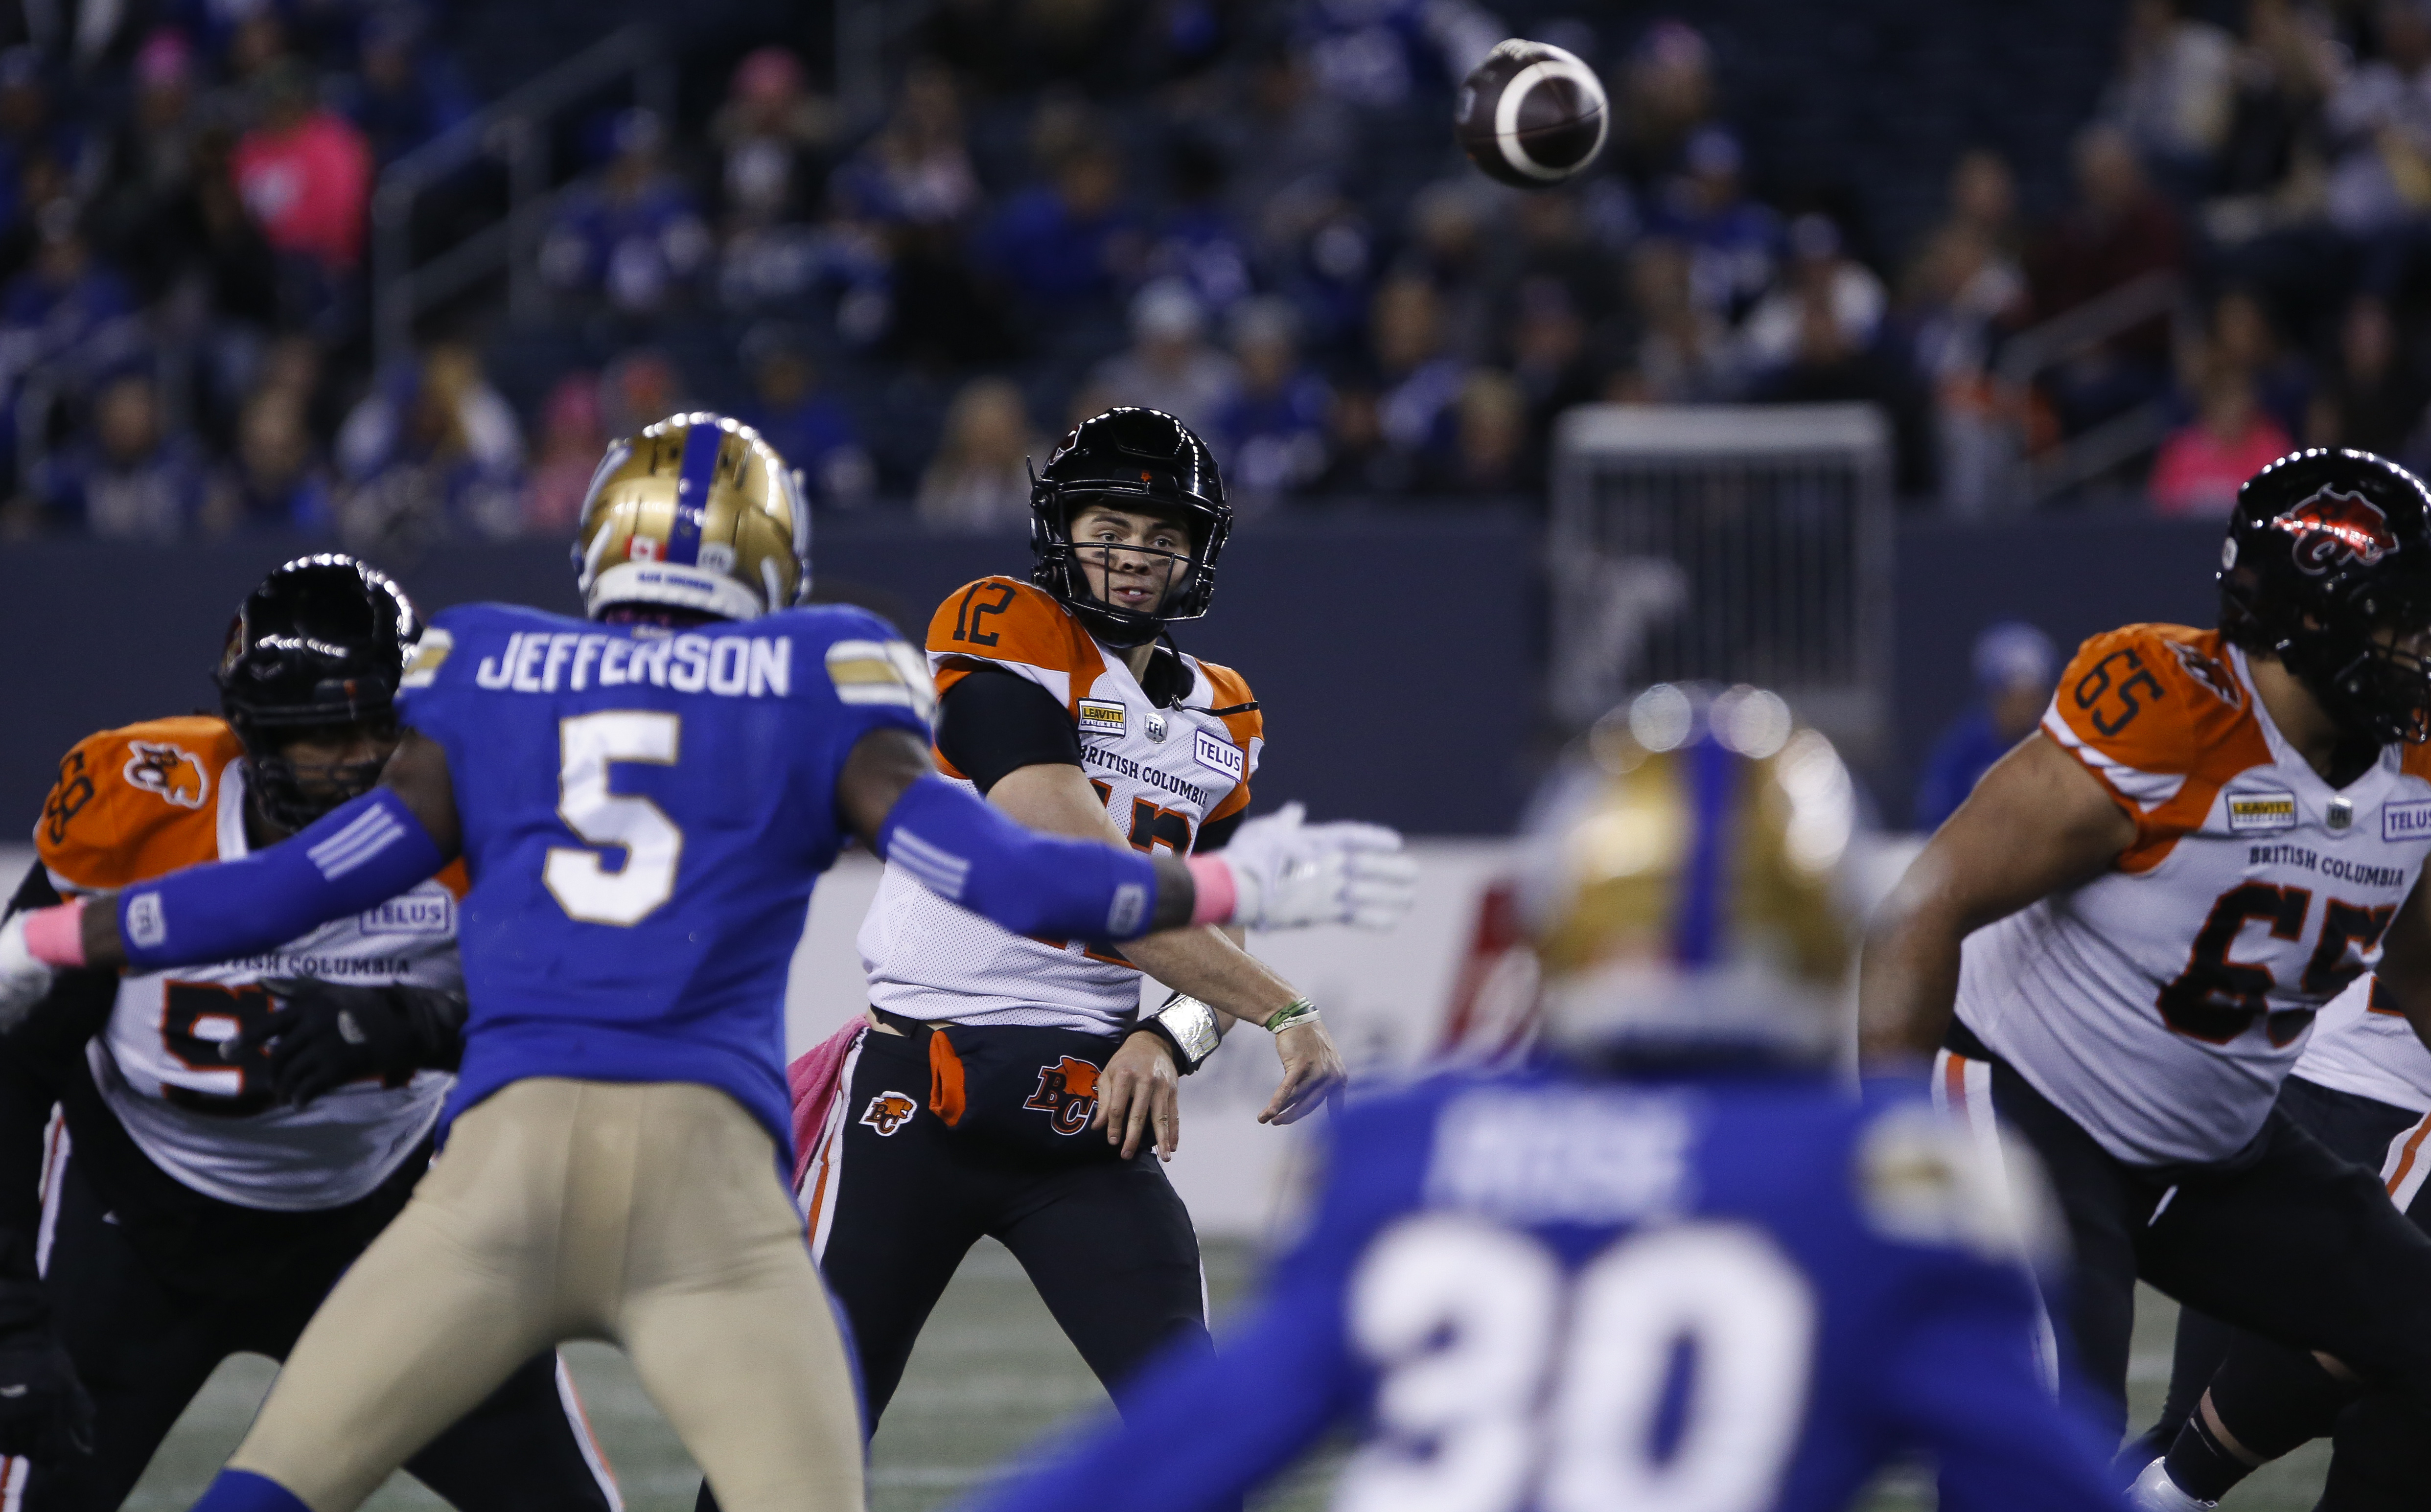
(133, 803)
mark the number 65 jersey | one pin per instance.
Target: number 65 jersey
(2161, 1005)
(1543, 1293)
(132, 804)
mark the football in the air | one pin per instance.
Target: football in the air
(1532, 114)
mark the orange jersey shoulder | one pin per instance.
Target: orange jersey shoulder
(1228, 693)
(134, 802)
(1018, 625)
(2159, 715)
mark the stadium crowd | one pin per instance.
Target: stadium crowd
(1250, 216)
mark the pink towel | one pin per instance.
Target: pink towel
(815, 1081)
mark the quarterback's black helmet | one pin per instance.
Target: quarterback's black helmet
(2325, 548)
(322, 642)
(1129, 459)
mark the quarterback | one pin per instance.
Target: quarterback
(1059, 702)
(201, 1193)
(2141, 910)
(644, 800)
(1507, 1277)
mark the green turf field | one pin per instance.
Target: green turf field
(991, 1374)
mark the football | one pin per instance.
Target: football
(1532, 115)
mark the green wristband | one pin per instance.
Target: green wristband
(1297, 1011)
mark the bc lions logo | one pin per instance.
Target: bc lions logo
(173, 771)
(1067, 1093)
(888, 1112)
(2333, 529)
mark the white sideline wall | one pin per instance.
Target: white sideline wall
(1384, 997)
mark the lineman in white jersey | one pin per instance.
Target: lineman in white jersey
(1010, 1085)
(231, 1136)
(2363, 1089)
(2141, 908)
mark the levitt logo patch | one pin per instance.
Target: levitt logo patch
(2409, 820)
(1214, 751)
(2252, 813)
(1100, 716)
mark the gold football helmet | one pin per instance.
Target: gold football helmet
(696, 512)
(1684, 880)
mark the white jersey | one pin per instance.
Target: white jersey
(2161, 1005)
(1163, 771)
(134, 802)
(2362, 1044)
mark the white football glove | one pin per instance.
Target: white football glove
(1287, 874)
(24, 980)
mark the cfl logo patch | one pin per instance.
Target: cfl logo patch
(888, 1112)
(1068, 1094)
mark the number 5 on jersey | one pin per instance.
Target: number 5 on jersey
(589, 745)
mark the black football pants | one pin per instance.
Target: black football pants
(144, 1346)
(2285, 1239)
(2381, 1455)
(1107, 1241)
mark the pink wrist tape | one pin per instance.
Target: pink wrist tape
(55, 935)
(1216, 893)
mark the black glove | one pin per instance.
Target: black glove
(44, 1412)
(323, 1036)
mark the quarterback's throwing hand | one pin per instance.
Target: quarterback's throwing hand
(1289, 872)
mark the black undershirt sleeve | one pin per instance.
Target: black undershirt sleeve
(992, 722)
(1217, 833)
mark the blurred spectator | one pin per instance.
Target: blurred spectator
(630, 236)
(918, 170)
(275, 481)
(2270, 173)
(1375, 53)
(1292, 145)
(571, 441)
(637, 389)
(1170, 365)
(127, 479)
(2203, 463)
(1449, 247)
(1958, 295)
(2379, 125)
(1667, 94)
(2015, 666)
(66, 306)
(2373, 400)
(1687, 356)
(770, 134)
(1271, 434)
(980, 477)
(431, 452)
(148, 160)
(404, 92)
(1329, 275)
(1359, 461)
(1490, 454)
(1549, 359)
(1828, 365)
(1068, 243)
(1732, 241)
(2118, 230)
(28, 129)
(810, 428)
(2243, 336)
(1818, 274)
(305, 174)
(1197, 241)
(1416, 381)
(2172, 89)
(1983, 200)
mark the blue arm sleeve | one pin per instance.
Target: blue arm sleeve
(966, 852)
(1965, 1384)
(1200, 1429)
(355, 857)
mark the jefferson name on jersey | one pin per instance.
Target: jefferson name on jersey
(135, 803)
(2161, 1005)
(1163, 771)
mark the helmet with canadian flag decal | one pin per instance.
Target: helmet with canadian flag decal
(2327, 566)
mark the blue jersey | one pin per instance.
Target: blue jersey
(643, 813)
(1549, 1293)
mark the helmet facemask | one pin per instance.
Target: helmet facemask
(1074, 562)
(291, 794)
(1138, 461)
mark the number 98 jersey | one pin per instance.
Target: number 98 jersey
(2161, 1003)
(1541, 1293)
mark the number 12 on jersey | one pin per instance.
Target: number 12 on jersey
(1505, 1382)
(589, 745)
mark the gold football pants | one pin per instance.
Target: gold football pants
(649, 1215)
